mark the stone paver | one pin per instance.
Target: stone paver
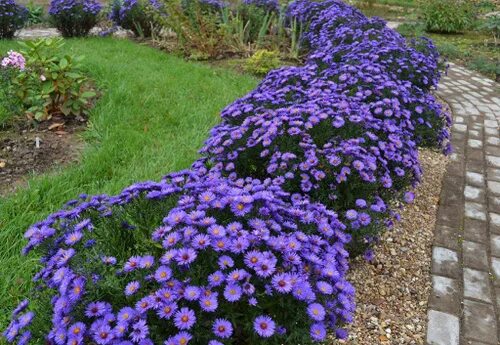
(464, 305)
(34, 33)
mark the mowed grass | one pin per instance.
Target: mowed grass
(155, 113)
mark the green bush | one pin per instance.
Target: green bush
(485, 6)
(52, 84)
(492, 25)
(35, 13)
(448, 16)
(262, 62)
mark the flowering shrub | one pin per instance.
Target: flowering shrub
(12, 18)
(48, 83)
(137, 15)
(186, 274)
(250, 246)
(344, 128)
(74, 18)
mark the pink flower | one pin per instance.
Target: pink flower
(14, 60)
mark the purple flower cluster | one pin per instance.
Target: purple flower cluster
(58, 7)
(12, 18)
(226, 245)
(74, 18)
(13, 60)
(344, 127)
(251, 244)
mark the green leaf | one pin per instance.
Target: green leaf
(63, 63)
(88, 94)
(48, 87)
(73, 75)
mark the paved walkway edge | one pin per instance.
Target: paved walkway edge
(465, 298)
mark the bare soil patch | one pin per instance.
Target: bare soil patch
(27, 150)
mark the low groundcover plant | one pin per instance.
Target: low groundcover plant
(251, 244)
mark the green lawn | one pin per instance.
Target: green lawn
(154, 115)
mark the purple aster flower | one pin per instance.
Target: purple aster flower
(351, 214)
(147, 262)
(192, 293)
(182, 338)
(264, 326)
(73, 238)
(282, 282)
(20, 307)
(140, 331)
(265, 268)
(252, 301)
(222, 328)
(24, 339)
(232, 292)
(364, 218)
(209, 303)
(369, 255)
(59, 336)
(75, 340)
(361, 203)
(316, 311)
(184, 318)
(144, 304)
(96, 309)
(77, 330)
(409, 197)
(225, 262)
(216, 278)
(201, 241)
(341, 333)
(318, 332)
(166, 311)
(185, 256)
(162, 274)
(215, 342)
(132, 288)
(25, 319)
(102, 334)
(132, 264)
(324, 287)
(109, 260)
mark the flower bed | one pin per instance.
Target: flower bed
(251, 244)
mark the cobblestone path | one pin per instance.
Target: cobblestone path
(464, 306)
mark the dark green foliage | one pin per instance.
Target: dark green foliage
(448, 16)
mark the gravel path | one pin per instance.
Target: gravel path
(392, 291)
